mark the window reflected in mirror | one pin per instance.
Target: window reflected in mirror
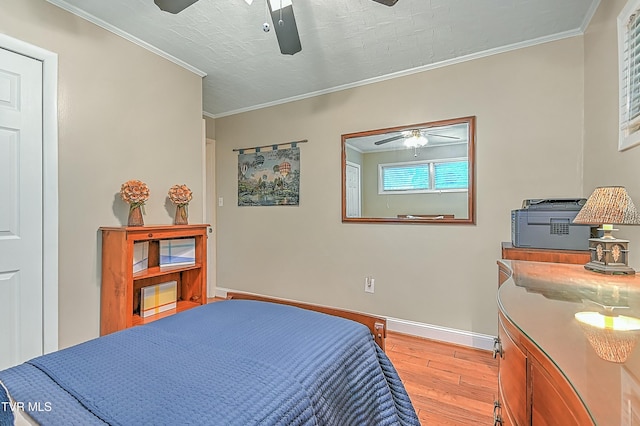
(420, 173)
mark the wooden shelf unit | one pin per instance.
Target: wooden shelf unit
(577, 257)
(121, 287)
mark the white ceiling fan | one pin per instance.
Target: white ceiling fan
(281, 11)
(415, 137)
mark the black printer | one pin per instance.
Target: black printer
(548, 223)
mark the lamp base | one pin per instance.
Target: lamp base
(609, 256)
(610, 269)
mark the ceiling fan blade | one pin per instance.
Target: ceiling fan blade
(174, 6)
(443, 136)
(286, 29)
(387, 2)
(387, 140)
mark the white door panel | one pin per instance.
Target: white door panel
(353, 195)
(20, 208)
(8, 183)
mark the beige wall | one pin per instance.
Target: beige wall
(603, 163)
(529, 106)
(124, 113)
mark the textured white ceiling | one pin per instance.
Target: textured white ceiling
(344, 42)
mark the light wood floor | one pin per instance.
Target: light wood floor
(447, 384)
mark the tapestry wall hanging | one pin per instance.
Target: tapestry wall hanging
(269, 178)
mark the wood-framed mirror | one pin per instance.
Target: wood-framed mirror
(419, 173)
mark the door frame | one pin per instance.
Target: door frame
(210, 214)
(49, 184)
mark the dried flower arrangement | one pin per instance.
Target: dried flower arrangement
(134, 192)
(180, 195)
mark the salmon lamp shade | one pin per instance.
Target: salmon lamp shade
(608, 206)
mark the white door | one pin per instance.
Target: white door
(21, 250)
(353, 195)
(210, 216)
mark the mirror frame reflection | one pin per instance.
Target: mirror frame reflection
(401, 138)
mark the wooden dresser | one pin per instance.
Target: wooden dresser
(550, 373)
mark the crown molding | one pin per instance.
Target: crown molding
(99, 22)
(589, 16)
(445, 63)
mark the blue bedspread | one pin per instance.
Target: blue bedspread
(227, 363)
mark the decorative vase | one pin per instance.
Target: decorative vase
(135, 216)
(181, 217)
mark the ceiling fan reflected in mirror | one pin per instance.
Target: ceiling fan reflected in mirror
(414, 138)
(281, 11)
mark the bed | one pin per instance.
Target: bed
(234, 362)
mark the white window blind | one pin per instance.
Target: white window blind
(405, 177)
(424, 176)
(629, 67)
(451, 175)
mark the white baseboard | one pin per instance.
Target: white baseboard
(442, 334)
(427, 331)
(221, 292)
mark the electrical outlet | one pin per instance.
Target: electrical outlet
(369, 284)
(220, 202)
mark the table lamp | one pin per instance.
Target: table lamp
(608, 206)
